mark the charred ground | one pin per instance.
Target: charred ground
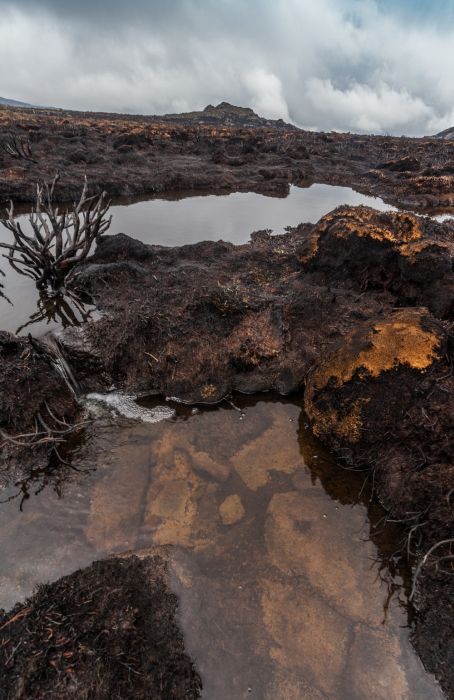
(358, 309)
(220, 149)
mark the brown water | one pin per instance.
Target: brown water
(288, 582)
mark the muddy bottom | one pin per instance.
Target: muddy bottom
(286, 575)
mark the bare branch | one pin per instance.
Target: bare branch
(59, 240)
(18, 148)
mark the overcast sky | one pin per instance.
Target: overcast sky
(351, 65)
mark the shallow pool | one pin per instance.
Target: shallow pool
(287, 578)
(172, 222)
(230, 217)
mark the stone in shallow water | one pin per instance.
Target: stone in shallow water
(175, 497)
(231, 510)
(276, 449)
(308, 636)
(307, 535)
(117, 499)
(206, 465)
(287, 686)
(375, 671)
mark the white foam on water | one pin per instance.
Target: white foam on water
(126, 405)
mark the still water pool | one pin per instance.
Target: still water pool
(172, 222)
(287, 576)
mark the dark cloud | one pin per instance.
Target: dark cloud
(157, 9)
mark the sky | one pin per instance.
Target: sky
(373, 66)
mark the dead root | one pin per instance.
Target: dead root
(444, 562)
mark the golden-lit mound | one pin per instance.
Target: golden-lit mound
(393, 226)
(407, 339)
(347, 223)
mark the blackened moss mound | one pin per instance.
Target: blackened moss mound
(104, 632)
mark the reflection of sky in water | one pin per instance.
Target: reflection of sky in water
(167, 222)
(228, 217)
(277, 557)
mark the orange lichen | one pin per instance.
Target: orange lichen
(414, 248)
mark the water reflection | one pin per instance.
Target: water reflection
(170, 222)
(57, 310)
(287, 589)
(230, 217)
(29, 310)
(178, 221)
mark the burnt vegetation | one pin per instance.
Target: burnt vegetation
(203, 320)
(18, 148)
(59, 240)
(108, 631)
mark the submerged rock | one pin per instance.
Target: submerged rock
(231, 510)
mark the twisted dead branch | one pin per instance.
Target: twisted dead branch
(19, 148)
(449, 557)
(43, 433)
(59, 240)
(52, 434)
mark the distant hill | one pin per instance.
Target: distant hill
(13, 103)
(230, 115)
(447, 134)
(223, 114)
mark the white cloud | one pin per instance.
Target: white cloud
(336, 64)
(266, 94)
(366, 108)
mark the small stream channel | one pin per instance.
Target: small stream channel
(289, 579)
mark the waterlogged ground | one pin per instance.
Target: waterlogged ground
(287, 578)
(172, 222)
